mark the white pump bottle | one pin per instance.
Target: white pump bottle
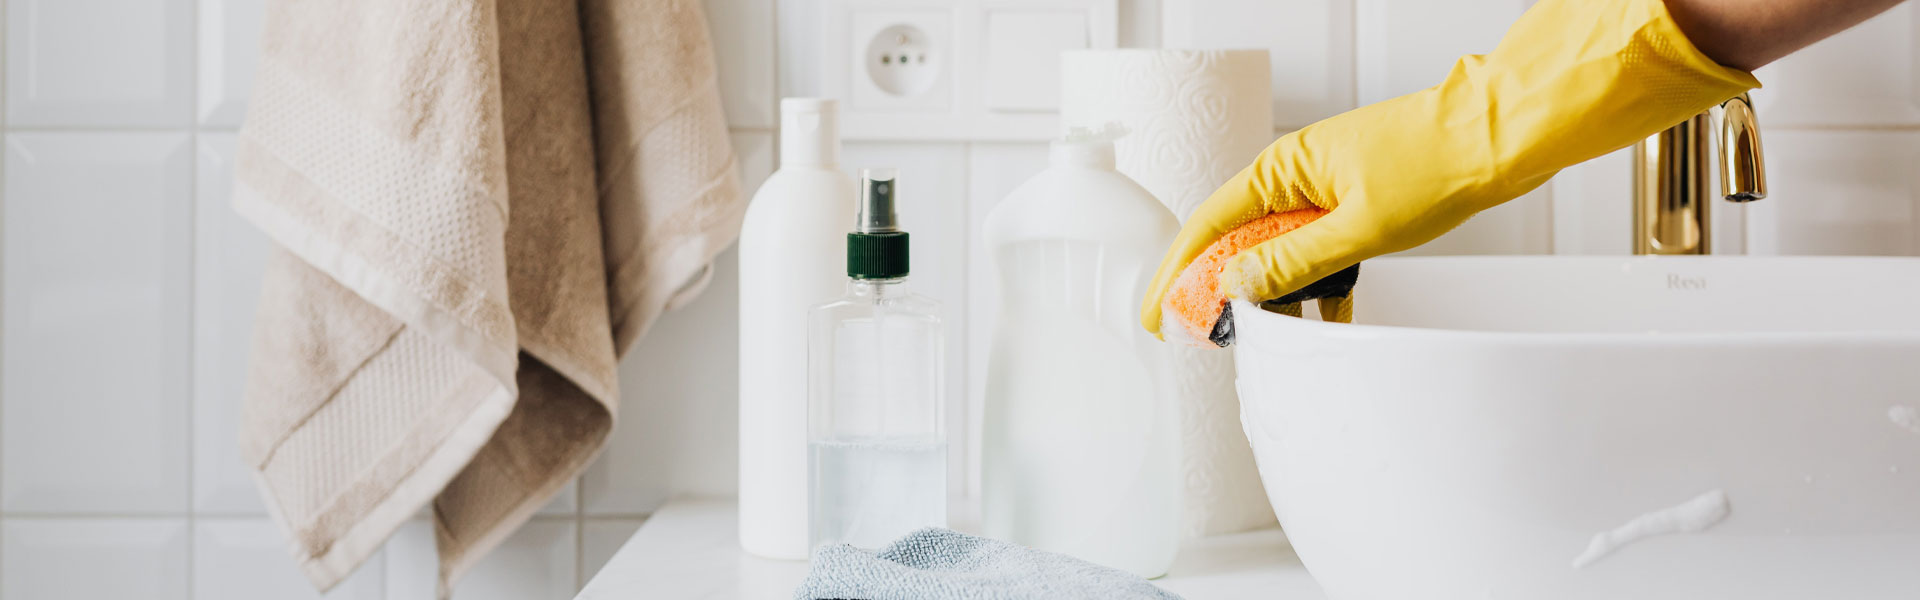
(1081, 443)
(793, 257)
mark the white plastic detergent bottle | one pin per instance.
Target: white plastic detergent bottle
(1081, 440)
(793, 256)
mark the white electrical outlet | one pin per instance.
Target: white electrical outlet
(953, 69)
(900, 59)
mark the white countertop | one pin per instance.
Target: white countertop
(688, 550)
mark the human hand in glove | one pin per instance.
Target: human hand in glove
(1572, 80)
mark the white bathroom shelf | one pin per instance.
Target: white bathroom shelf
(689, 550)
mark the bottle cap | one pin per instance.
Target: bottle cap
(809, 132)
(1087, 147)
(877, 248)
(876, 202)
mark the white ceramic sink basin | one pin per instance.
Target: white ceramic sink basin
(1487, 418)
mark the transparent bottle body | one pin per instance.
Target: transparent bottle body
(1081, 444)
(877, 442)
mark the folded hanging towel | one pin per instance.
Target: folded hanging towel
(941, 564)
(479, 204)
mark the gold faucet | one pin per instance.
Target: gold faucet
(1670, 207)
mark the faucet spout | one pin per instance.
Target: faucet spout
(1743, 171)
(1672, 210)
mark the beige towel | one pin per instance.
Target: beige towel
(479, 203)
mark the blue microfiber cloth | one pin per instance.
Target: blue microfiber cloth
(942, 564)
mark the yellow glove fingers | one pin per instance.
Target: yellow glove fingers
(1291, 309)
(1573, 79)
(1299, 257)
(1336, 310)
(1231, 206)
(1270, 184)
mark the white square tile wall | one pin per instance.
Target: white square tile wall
(677, 400)
(1838, 192)
(1014, 37)
(245, 559)
(1593, 207)
(1523, 225)
(94, 370)
(1407, 45)
(229, 49)
(87, 559)
(600, 539)
(1863, 79)
(538, 562)
(743, 51)
(127, 285)
(681, 376)
(408, 564)
(229, 258)
(100, 63)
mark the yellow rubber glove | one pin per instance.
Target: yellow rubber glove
(1572, 80)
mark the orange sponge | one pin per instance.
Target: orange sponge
(1194, 304)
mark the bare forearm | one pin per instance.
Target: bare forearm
(1748, 34)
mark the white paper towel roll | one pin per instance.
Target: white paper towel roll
(1195, 118)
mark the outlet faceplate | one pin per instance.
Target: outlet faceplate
(899, 59)
(969, 72)
(902, 61)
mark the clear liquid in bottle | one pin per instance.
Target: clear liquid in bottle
(877, 440)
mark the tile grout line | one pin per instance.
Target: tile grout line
(193, 278)
(197, 125)
(1353, 56)
(5, 149)
(191, 124)
(966, 284)
(1891, 126)
(110, 516)
(967, 249)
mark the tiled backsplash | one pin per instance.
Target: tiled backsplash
(128, 285)
(129, 290)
